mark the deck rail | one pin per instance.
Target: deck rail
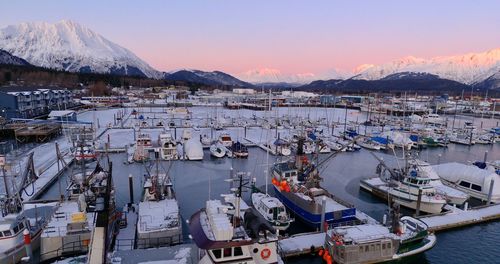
(153, 242)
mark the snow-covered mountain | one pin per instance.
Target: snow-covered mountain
(468, 68)
(207, 78)
(69, 46)
(267, 75)
(7, 58)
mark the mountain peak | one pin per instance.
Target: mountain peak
(467, 68)
(67, 45)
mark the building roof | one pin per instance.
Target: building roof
(61, 113)
(14, 88)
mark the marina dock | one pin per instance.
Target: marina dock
(456, 217)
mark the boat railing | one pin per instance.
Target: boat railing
(152, 242)
(67, 249)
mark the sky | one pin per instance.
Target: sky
(294, 37)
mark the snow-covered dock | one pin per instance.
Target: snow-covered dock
(301, 244)
(181, 254)
(126, 237)
(456, 217)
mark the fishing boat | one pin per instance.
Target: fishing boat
(403, 187)
(168, 146)
(296, 185)
(70, 228)
(224, 233)
(239, 150)
(375, 243)
(159, 221)
(217, 150)
(85, 152)
(272, 210)
(142, 146)
(18, 219)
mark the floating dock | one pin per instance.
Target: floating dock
(456, 217)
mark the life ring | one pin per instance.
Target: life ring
(265, 253)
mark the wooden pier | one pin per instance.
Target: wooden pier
(40, 133)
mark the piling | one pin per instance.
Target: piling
(27, 245)
(323, 208)
(419, 201)
(490, 192)
(131, 190)
(485, 156)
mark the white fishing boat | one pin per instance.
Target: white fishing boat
(225, 233)
(403, 187)
(452, 195)
(272, 210)
(217, 150)
(168, 147)
(17, 218)
(375, 243)
(159, 220)
(142, 146)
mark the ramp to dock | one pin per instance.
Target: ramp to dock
(456, 217)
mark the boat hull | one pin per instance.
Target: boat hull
(310, 213)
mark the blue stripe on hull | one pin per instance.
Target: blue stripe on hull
(314, 220)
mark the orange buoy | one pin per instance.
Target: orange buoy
(321, 251)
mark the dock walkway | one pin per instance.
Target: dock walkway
(456, 217)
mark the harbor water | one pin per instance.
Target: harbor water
(197, 181)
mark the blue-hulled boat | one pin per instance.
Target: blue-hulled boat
(296, 184)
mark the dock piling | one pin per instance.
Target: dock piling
(490, 192)
(419, 201)
(323, 209)
(485, 157)
(131, 190)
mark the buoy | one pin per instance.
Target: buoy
(321, 251)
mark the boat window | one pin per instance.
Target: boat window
(361, 249)
(217, 253)
(7, 233)
(367, 248)
(227, 252)
(16, 229)
(237, 252)
(287, 174)
(476, 187)
(1, 234)
(465, 184)
(270, 211)
(383, 246)
(389, 245)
